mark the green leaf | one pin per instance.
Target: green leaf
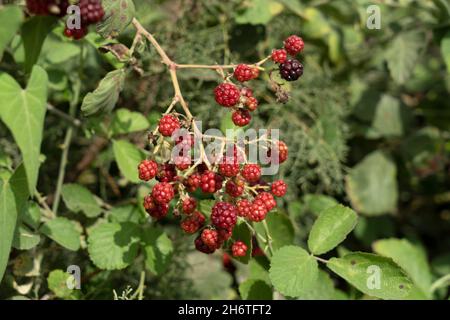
(258, 268)
(259, 12)
(23, 112)
(34, 32)
(323, 289)
(128, 158)
(445, 50)
(125, 213)
(205, 207)
(241, 232)
(63, 231)
(24, 239)
(78, 198)
(372, 185)
(158, 250)
(126, 121)
(253, 289)
(391, 117)
(57, 283)
(331, 228)
(114, 245)
(316, 203)
(105, 96)
(13, 193)
(32, 215)
(10, 20)
(293, 271)
(402, 55)
(118, 15)
(411, 258)
(280, 229)
(359, 269)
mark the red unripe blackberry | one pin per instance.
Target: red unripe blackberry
(234, 189)
(229, 168)
(210, 237)
(188, 205)
(241, 117)
(239, 249)
(227, 94)
(291, 70)
(280, 152)
(246, 92)
(193, 222)
(168, 124)
(211, 182)
(163, 192)
(182, 162)
(294, 45)
(279, 188)
(91, 11)
(251, 172)
(185, 141)
(244, 207)
(193, 182)
(267, 199)
(251, 103)
(224, 235)
(202, 247)
(155, 210)
(166, 172)
(147, 170)
(279, 56)
(224, 215)
(244, 72)
(258, 211)
(76, 34)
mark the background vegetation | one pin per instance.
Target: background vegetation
(367, 126)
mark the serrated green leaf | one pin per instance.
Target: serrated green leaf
(104, 98)
(24, 238)
(63, 231)
(259, 12)
(293, 271)
(10, 20)
(316, 203)
(23, 112)
(118, 15)
(372, 185)
(126, 121)
(78, 198)
(331, 228)
(258, 268)
(125, 213)
(280, 229)
(114, 245)
(158, 250)
(411, 258)
(323, 289)
(128, 158)
(402, 54)
(253, 289)
(34, 31)
(391, 117)
(362, 269)
(241, 232)
(13, 194)
(57, 283)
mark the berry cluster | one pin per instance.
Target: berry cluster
(236, 184)
(240, 98)
(290, 69)
(91, 12)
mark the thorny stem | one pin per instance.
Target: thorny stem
(48, 212)
(254, 231)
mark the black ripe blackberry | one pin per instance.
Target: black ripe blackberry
(91, 11)
(47, 7)
(291, 70)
